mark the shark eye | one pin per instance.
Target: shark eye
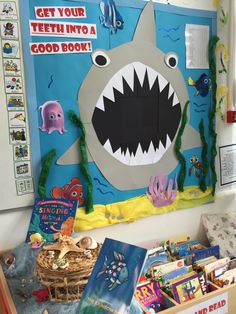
(171, 60)
(100, 59)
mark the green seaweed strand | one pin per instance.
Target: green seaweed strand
(180, 156)
(84, 164)
(205, 164)
(46, 165)
(212, 46)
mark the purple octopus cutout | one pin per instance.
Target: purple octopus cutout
(161, 192)
(53, 117)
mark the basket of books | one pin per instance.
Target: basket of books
(65, 266)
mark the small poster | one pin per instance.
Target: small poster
(10, 48)
(12, 67)
(13, 84)
(9, 30)
(196, 41)
(17, 119)
(8, 10)
(21, 152)
(17, 135)
(15, 102)
(22, 169)
(227, 158)
(24, 186)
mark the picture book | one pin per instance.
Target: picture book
(177, 240)
(165, 278)
(111, 286)
(149, 295)
(154, 260)
(157, 271)
(51, 218)
(206, 252)
(191, 287)
(183, 246)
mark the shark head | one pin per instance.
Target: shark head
(131, 104)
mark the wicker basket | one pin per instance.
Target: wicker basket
(66, 285)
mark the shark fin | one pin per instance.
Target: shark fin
(73, 156)
(146, 27)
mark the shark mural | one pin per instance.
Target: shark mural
(131, 104)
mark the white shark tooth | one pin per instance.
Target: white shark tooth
(138, 155)
(152, 75)
(140, 69)
(175, 100)
(117, 82)
(127, 157)
(162, 82)
(128, 75)
(132, 160)
(159, 152)
(118, 155)
(171, 91)
(168, 141)
(108, 92)
(108, 147)
(100, 103)
(151, 152)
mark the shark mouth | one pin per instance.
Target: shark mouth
(137, 115)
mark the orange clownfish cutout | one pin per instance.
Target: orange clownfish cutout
(71, 191)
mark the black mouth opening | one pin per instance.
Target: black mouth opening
(137, 116)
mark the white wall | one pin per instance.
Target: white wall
(14, 224)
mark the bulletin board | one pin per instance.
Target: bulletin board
(133, 78)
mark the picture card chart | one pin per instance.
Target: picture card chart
(17, 180)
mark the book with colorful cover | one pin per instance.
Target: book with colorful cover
(165, 278)
(206, 252)
(149, 296)
(52, 218)
(157, 271)
(151, 261)
(190, 287)
(111, 286)
(181, 246)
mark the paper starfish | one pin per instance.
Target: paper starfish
(65, 244)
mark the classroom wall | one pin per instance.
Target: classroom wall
(14, 223)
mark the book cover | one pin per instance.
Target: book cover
(165, 278)
(111, 286)
(52, 218)
(149, 295)
(189, 245)
(189, 288)
(207, 252)
(151, 261)
(157, 271)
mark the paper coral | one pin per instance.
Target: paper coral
(161, 192)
